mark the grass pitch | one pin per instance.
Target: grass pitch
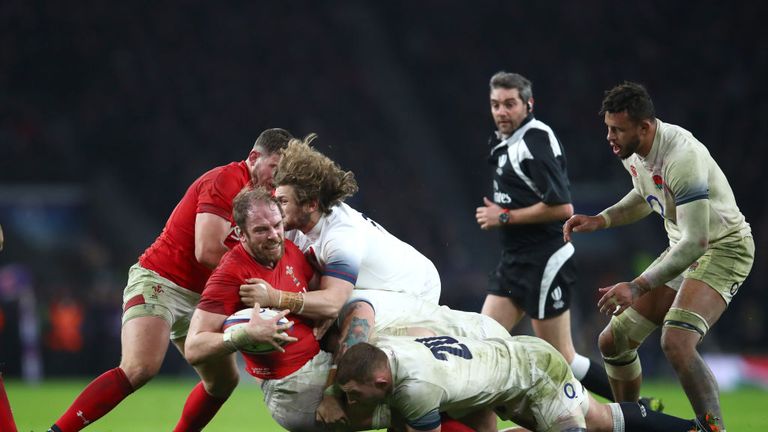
(157, 406)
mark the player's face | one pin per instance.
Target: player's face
(263, 236)
(508, 110)
(623, 134)
(361, 393)
(296, 215)
(263, 171)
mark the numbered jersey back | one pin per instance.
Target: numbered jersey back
(457, 373)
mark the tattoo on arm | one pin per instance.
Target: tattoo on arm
(358, 332)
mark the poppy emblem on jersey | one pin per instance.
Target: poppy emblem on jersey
(633, 170)
(658, 181)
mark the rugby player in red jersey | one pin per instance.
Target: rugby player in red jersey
(165, 285)
(263, 253)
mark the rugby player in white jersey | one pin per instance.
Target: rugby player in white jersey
(688, 287)
(523, 379)
(359, 261)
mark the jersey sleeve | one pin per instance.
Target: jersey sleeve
(216, 194)
(546, 170)
(687, 178)
(221, 294)
(343, 255)
(419, 403)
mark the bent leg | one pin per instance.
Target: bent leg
(144, 344)
(557, 331)
(619, 341)
(219, 378)
(696, 308)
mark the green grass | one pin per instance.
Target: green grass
(157, 406)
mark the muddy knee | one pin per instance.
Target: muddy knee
(619, 342)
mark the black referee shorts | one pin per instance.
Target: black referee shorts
(538, 280)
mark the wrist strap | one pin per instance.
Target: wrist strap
(237, 338)
(292, 301)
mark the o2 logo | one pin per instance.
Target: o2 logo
(569, 390)
(442, 345)
(655, 204)
(734, 288)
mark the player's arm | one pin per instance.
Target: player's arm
(356, 326)
(688, 180)
(205, 339)
(324, 303)
(339, 275)
(540, 213)
(210, 232)
(628, 210)
(693, 222)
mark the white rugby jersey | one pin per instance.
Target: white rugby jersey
(352, 247)
(678, 170)
(459, 375)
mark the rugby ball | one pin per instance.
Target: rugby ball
(241, 318)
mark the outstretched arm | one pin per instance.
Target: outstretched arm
(324, 303)
(628, 210)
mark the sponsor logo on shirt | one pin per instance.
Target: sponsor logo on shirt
(633, 170)
(501, 198)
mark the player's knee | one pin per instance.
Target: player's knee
(605, 342)
(222, 385)
(139, 373)
(694, 326)
(619, 342)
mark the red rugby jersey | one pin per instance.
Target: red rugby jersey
(172, 255)
(292, 273)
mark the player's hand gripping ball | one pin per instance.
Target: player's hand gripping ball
(242, 317)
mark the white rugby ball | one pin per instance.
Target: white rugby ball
(241, 318)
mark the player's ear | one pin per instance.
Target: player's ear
(312, 206)
(645, 125)
(253, 155)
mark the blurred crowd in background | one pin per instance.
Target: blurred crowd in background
(108, 111)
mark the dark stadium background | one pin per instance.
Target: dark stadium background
(109, 110)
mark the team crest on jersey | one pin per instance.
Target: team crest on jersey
(633, 170)
(502, 160)
(156, 291)
(658, 181)
(289, 271)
